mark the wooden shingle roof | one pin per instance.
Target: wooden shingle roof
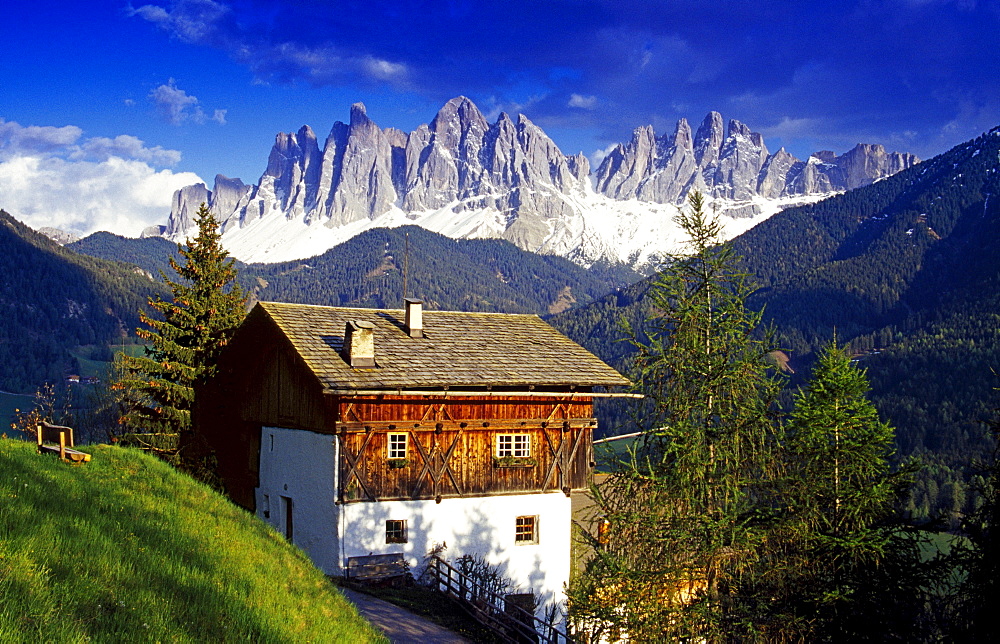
(458, 349)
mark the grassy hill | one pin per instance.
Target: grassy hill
(125, 548)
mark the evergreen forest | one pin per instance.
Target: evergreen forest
(903, 273)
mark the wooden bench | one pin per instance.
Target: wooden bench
(377, 567)
(61, 443)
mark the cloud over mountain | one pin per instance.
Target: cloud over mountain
(177, 107)
(52, 176)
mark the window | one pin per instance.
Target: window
(526, 530)
(397, 445)
(267, 507)
(395, 531)
(514, 445)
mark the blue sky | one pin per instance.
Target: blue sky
(107, 106)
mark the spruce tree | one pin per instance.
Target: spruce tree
(684, 512)
(185, 336)
(838, 497)
(977, 557)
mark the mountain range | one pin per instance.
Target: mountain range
(465, 177)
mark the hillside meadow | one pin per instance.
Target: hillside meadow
(125, 548)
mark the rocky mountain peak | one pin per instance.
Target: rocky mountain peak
(682, 137)
(359, 115)
(460, 111)
(708, 139)
(731, 163)
(736, 128)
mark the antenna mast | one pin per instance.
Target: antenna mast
(406, 264)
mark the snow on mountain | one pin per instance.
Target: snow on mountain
(632, 232)
(466, 178)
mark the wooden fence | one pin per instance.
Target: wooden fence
(507, 619)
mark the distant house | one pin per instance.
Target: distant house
(364, 431)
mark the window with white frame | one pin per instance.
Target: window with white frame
(395, 531)
(397, 445)
(513, 445)
(526, 530)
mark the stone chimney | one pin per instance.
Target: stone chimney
(414, 317)
(359, 344)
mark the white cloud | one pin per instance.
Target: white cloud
(100, 148)
(177, 106)
(117, 195)
(597, 156)
(796, 127)
(192, 21)
(33, 138)
(584, 102)
(383, 69)
(48, 177)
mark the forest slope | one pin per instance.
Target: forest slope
(52, 300)
(905, 272)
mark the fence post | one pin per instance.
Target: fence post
(62, 445)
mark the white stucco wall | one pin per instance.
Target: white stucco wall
(482, 526)
(300, 466)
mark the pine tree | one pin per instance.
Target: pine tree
(978, 555)
(684, 513)
(185, 339)
(838, 496)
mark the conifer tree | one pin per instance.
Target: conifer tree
(978, 556)
(683, 512)
(838, 497)
(185, 336)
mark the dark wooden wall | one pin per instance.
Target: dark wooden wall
(259, 381)
(452, 446)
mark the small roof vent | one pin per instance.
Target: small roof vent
(359, 344)
(414, 321)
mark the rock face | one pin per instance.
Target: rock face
(459, 161)
(530, 192)
(735, 165)
(59, 236)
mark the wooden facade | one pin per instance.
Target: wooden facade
(264, 380)
(452, 446)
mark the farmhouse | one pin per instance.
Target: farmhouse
(363, 431)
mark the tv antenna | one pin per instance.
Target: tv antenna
(406, 263)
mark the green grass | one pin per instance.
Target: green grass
(125, 548)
